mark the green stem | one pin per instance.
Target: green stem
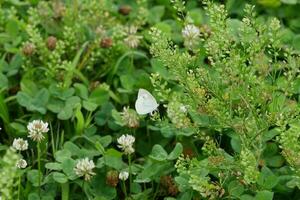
(130, 174)
(19, 187)
(65, 191)
(124, 189)
(39, 167)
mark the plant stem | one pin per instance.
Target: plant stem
(19, 187)
(124, 189)
(39, 167)
(65, 191)
(130, 174)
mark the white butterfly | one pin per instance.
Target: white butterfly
(145, 102)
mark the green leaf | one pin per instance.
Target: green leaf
(176, 152)
(270, 134)
(267, 179)
(99, 96)
(89, 106)
(292, 2)
(3, 81)
(33, 177)
(68, 165)
(158, 153)
(275, 161)
(196, 16)
(155, 14)
(62, 155)
(153, 170)
(264, 195)
(81, 90)
(19, 128)
(127, 81)
(235, 188)
(53, 166)
(12, 28)
(72, 148)
(59, 177)
(33, 196)
(65, 113)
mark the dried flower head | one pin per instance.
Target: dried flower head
(106, 42)
(59, 9)
(20, 144)
(36, 129)
(125, 143)
(123, 175)
(21, 164)
(112, 178)
(28, 49)
(84, 167)
(130, 117)
(51, 43)
(125, 9)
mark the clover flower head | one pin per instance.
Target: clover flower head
(132, 40)
(36, 129)
(125, 143)
(21, 164)
(190, 31)
(84, 167)
(20, 144)
(123, 175)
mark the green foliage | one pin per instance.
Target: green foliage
(225, 77)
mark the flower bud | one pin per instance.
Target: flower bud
(51, 43)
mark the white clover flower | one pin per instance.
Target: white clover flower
(123, 175)
(21, 164)
(183, 108)
(132, 40)
(190, 31)
(125, 143)
(84, 167)
(20, 144)
(36, 129)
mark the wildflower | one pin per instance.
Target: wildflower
(125, 143)
(36, 129)
(130, 118)
(132, 40)
(190, 34)
(85, 167)
(21, 164)
(20, 144)
(123, 175)
(190, 31)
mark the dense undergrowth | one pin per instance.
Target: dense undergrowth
(78, 121)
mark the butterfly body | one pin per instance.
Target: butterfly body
(145, 102)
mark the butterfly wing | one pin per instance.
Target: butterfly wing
(145, 102)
